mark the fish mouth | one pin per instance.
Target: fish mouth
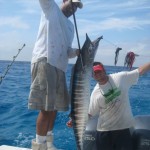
(88, 51)
(98, 39)
(95, 45)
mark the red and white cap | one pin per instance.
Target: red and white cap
(98, 68)
(76, 1)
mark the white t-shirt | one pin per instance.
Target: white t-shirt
(114, 108)
(55, 36)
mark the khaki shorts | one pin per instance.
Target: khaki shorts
(48, 90)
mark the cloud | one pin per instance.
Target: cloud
(122, 23)
(13, 22)
(114, 24)
(29, 7)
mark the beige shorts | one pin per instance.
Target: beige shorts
(48, 90)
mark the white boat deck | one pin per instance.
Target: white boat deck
(6, 147)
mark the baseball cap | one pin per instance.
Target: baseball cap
(98, 68)
(75, 1)
(78, 1)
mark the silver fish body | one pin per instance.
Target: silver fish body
(80, 89)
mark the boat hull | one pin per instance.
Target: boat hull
(140, 133)
(6, 147)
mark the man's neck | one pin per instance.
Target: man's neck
(104, 81)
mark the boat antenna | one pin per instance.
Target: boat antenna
(8, 66)
(74, 18)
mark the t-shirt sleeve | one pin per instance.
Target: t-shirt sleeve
(127, 78)
(132, 77)
(46, 5)
(71, 52)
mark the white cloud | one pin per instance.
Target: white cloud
(29, 7)
(121, 23)
(14, 22)
(114, 24)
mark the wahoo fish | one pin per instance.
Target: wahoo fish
(80, 88)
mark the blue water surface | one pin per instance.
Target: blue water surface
(17, 123)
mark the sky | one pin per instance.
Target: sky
(122, 23)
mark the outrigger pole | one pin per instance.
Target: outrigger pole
(8, 67)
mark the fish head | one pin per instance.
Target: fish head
(89, 50)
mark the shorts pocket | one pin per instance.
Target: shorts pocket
(40, 81)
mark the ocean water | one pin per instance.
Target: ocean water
(17, 123)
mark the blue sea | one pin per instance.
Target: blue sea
(17, 123)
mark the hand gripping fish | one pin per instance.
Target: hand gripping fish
(80, 89)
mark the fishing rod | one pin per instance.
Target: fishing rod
(8, 67)
(74, 18)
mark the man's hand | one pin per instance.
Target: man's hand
(69, 123)
(77, 52)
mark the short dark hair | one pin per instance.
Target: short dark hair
(97, 63)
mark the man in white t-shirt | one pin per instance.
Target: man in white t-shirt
(110, 101)
(53, 48)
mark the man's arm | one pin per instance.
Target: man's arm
(143, 69)
(73, 52)
(46, 5)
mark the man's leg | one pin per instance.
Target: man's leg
(41, 131)
(52, 120)
(122, 140)
(49, 137)
(103, 140)
(42, 123)
(45, 121)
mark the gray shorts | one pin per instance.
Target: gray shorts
(48, 89)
